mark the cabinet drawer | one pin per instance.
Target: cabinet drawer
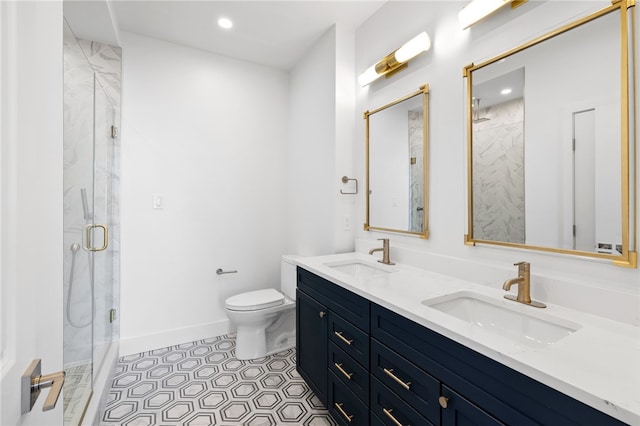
(350, 372)
(345, 408)
(375, 420)
(348, 305)
(409, 382)
(391, 409)
(510, 396)
(459, 409)
(349, 338)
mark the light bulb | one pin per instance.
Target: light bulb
(478, 9)
(412, 48)
(368, 76)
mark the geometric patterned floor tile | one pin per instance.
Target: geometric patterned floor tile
(202, 383)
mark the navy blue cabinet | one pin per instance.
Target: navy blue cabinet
(332, 345)
(311, 344)
(369, 365)
(458, 411)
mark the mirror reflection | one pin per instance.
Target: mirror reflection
(547, 134)
(397, 166)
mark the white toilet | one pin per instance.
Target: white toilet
(265, 319)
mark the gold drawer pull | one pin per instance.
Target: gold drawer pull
(391, 416)
(347, 417)
(344, 339)
(339, 367)
(389, 373)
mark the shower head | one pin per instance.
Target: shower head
(476, 112)
(75, 247)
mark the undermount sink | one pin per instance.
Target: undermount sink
(358, 269)
(505, 318)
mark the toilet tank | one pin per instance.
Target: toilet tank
(288, 276)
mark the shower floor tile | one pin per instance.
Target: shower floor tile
(201, 383)
(76, 392)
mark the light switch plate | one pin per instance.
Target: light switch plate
(158, 201)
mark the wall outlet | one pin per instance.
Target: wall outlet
(346, 223)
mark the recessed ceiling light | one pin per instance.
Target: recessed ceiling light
(505, 91)
(225, 23)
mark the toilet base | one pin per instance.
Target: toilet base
(256, 342)
(250, 343)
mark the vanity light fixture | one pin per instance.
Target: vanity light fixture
(396, 61)
(479, 9)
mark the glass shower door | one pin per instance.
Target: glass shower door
(103, 210)
(90, 210)
(78, 212)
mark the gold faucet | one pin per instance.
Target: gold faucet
(385, 251)
(524, 286)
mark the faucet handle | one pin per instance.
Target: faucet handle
(523, 266)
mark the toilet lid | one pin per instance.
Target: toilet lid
(253, 300)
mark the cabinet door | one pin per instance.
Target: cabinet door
(458, 411)
(311, 344)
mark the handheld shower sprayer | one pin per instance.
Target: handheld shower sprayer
(85, 204)
(75, 247)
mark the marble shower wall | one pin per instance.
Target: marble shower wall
(498, 191)
(416, 150)
(92, 76)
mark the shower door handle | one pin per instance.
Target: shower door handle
(33, 382)
(88, 243)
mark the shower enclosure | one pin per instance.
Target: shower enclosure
(91, 216)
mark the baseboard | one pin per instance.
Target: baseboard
(176, 336)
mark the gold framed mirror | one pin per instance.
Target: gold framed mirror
(397, 165)
(551, 141)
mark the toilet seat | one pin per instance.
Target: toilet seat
(255, 300)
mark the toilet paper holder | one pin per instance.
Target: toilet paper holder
(346, 179)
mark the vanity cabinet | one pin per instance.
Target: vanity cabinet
(475, 386)
(333, 356)
(374, 366)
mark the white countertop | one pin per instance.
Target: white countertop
(599, 364)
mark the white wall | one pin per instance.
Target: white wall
(586, 284)
(321, 100)
(310, 152)
(208, 134)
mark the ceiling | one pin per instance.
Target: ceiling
(489, 91)
(271, 33)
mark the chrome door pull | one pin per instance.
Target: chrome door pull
(33, 382)
(88, 244)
